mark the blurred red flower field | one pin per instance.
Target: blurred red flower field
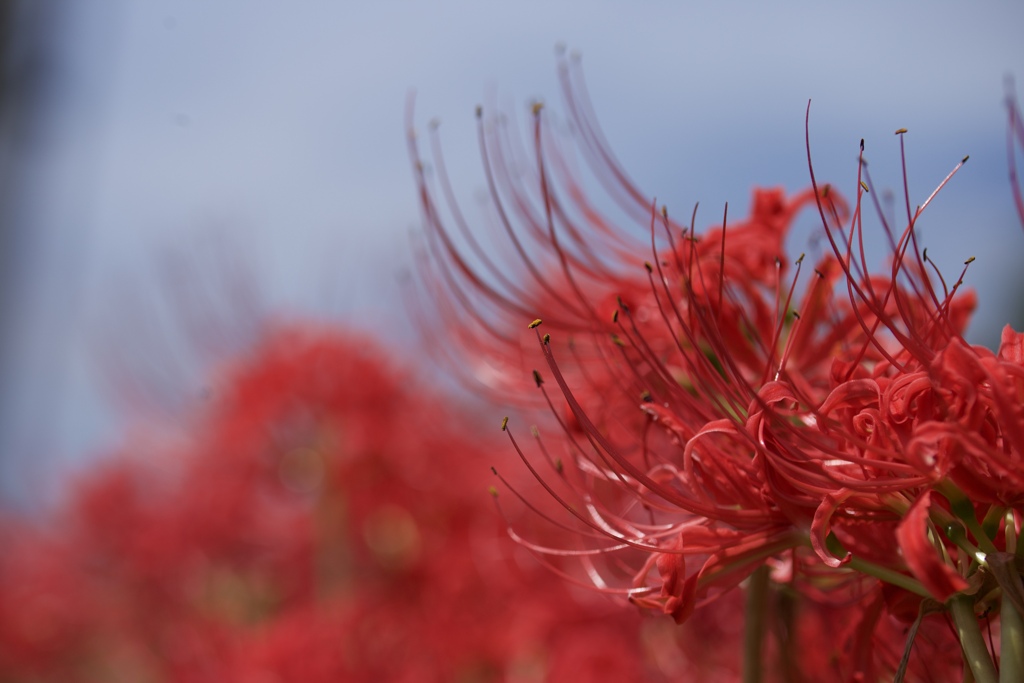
(326, 521)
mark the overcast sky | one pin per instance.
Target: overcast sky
(278, 127)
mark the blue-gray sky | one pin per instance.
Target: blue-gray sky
(279, 126)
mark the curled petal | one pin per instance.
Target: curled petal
(931, 449)
(901, 401)
(822, 523)
(771, 394)
(678, 592)
(852, 393)
(775, 392)
(921, 556)
(724, 426)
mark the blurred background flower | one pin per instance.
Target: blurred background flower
(320, 523)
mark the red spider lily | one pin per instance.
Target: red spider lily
(720, 409)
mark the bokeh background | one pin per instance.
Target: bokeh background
(173, 172)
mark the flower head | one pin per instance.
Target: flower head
(720, 407)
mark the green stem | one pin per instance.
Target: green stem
(974, 650)
(956, 533)
(963, 508)
(753, 630)
(990, 525)
(879, 572)
(788, 648)
(889, 576)
(1011, 643)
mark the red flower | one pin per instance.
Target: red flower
(721, 409)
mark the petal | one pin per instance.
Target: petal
(1011, 346)
(678, 590)
(851, 393)
(821, 525)
(922, 557)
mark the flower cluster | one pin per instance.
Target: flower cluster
(321, 523)
(721, 409)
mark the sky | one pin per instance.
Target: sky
(251, 156)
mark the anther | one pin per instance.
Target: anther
(536, 323)
(537, 378)
(901, 131)
(504, 426)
